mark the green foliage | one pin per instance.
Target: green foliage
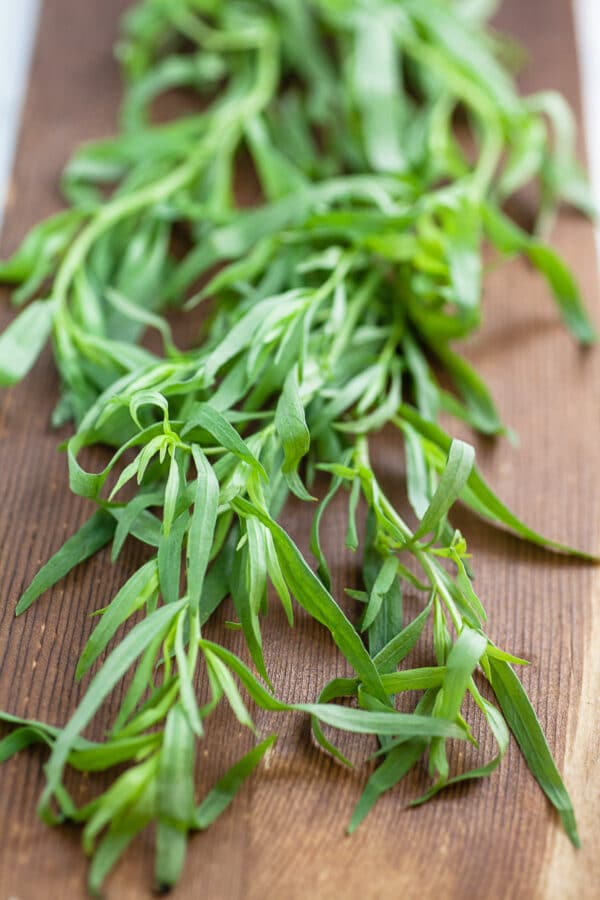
(335, 305)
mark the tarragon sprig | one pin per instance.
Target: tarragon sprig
(335, 304)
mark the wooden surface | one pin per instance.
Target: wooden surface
(284, 837)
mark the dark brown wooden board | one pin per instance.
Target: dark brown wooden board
(284, 837)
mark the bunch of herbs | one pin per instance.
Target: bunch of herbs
(386, 138)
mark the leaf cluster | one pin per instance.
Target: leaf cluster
(335, 307)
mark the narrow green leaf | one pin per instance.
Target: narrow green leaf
(129, 515)
(202, 527)
(402, 643)
(132, 596)
(218, 799)
(353, 501)
(99, 757)
(381, 587)
(565, 290)
(315, 535)
(333, 690)
(207, 417)
(501, 734)
(225, 679)
(175, 797)
(101, 685)
(171, 494)
(398, 762)
(140, 681)
(376, 85)
(185, 667)
(510, 239)
(524, 724)
(91, 537)
(277, 579)
(23, 341)
(120, 834)
(316, 600)
(481, 409)
(247, 612)
(389, 722)
(454, 477)
(460, 664)
(418, 477)
(479, 496)
(122, 794)
(290, 423)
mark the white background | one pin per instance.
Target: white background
(18, 20)
(587, 24)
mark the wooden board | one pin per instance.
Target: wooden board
(284, 838)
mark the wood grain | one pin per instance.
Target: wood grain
(285, 836)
